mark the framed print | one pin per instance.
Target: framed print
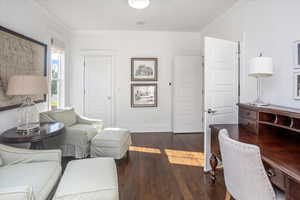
(19, 55)
(297, 53)
(297, 84)
(143, 95)
(144, 69)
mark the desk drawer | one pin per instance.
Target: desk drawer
(293, 189)
(249, 114)
(276, 176)
(248, 124)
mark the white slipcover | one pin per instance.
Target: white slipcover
(78, 132)
(111, 142)
(17, 193)
(41, 176)
(89, 179)
(28, 174)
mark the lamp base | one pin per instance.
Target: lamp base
(259, 102)
(28, 117)
(27, 129)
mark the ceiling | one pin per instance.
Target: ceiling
(161, 15)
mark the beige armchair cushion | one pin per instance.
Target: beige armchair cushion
(41, 176)
(66, 116)
(89, 130)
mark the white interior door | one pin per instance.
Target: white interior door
(220, 87)
(187, 94)
(98, 87)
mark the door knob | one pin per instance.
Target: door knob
(211, 111)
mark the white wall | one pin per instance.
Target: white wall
(270, 27)
(127, 44)
(28, 18)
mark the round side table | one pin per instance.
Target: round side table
(36, 139)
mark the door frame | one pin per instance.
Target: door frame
(172, 84)
(101, 52)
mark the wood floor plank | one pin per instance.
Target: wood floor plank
(149, 176)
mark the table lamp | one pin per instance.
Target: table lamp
(27, 86)
(260, 67)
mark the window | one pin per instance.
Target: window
(57, 79)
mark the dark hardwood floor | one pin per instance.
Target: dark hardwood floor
(163, 166)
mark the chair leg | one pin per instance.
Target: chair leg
(228, 195)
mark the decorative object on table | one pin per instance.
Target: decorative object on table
(20, 55)
(36, 139)
(26, 86)
(297, 84)
(260, 67)
(144, 69)
(297, 53)
(143, 95)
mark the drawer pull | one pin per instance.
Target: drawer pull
(270, 173)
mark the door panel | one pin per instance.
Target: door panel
(220, 87)
(187, 94)
(97, 82)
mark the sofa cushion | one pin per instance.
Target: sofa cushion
(42, 177)
(66, 116)
(88, 129)
(89, 179)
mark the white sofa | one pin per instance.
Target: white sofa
(79, 132)
(28, 174)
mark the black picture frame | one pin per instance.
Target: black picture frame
(133, 85)
(133, 76)
(44, 46)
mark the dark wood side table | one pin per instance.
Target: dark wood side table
(36, 139)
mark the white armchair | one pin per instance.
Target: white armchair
(78, 133)
(28, 174)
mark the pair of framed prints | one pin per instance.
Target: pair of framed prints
(144, 94)
(297, 70)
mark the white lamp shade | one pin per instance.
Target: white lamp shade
(261, 67)
(139, 4)
(27, 85)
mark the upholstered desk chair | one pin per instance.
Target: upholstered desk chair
(245, 176)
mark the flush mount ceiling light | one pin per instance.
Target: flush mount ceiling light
(139, 4)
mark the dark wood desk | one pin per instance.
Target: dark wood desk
(276, 131)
